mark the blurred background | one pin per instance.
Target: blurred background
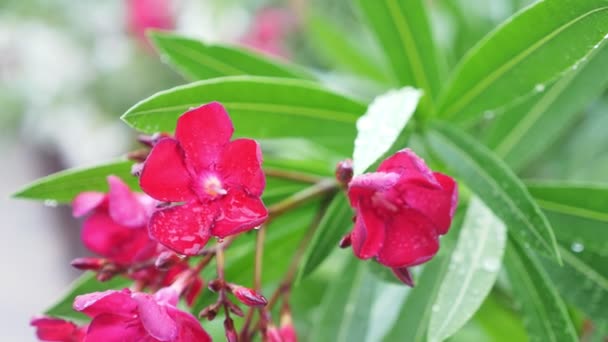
(69, 69)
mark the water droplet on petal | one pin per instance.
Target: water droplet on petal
(577, 247)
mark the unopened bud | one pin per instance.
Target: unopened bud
(209, 312)
(287, 330)
(151, 140)
(231, 335)
(235, 309)
(403, 273)
(89, 264)
(166, 259)
(345, 242)
(136, 169)
(216, 285)
(138, 155)
(107, 272)
(247, 296)
(344, 172)
(272, 334)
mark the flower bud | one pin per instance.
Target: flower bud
(247, 296)
(231, 335)
(166, 259)
(344, 172)
(272, 334)
(345, 242)
(89, 264)
(403, 274)
(235, 309)
(216, 285)
(209, 312)
(107, 272)
(138, 155)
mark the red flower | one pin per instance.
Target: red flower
(126, 316)
(401, 211)
(220, 180)
(56, 329)
(149, 14)
(116, 229)
(269, 30)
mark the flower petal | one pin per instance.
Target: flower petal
(364, 186)
(438, 205)
(240, 166)
(239, 212)
(184, 228)
(410, 240)
(368, 234)
(54, 329)
(154, 318)
(164, 175)
(189, 327)
(202, 132)
(87, 201)
(116, 328)
(404, 274)
(124, 205)
(111, 301)
(409, 166)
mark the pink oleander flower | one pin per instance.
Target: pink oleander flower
(149, 14)
(219, 180)
(401, 210)
(134, 316)
(59, 330)
(269, 31)
(117, 225)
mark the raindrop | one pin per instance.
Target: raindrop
(491, 265)
(50, 203)
(539, 88)
(577, 247)
(488, 115)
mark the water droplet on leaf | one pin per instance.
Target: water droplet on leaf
(577, 247)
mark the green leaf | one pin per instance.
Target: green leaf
(497, 186)
(352, 292)
(578, 232)
(582, 281)
(514, 136)
(576, 199)
(514, 60)
(545, 314)
(62, 187)
(343, 52)
(260, 107)
(199, 61)
(382, 124)
(472, 272)
(86, 283)
(333, 226)
(403, 30)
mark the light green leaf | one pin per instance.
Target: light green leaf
(403, 30)
(545, 314)
(514, 60)
(260, 107)
(353, 293)
(86, 283)
(498, 187)
(473, 269)
(62, 187)
(381, 125)
(199, 61)
(576, 199)
(333, 226)
(514, 136)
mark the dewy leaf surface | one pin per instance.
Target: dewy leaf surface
(381, 125)
(260, 107)
(498, 187)
(472, 271)
(523, 54)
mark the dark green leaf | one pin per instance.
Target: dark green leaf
(199, 61)
(496, 185)
(403, 30)
(545, 314)
(87, 283)
(514, 60)
(522, 133)
(62, 187)
(588, 201)
(334, 225)
(260, 107)
(352, 294)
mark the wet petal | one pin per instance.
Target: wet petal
(240, 166)
(189, 327)
(366, 185)
(239, 212)
(184, 228)
(409, 166)
(202, 132)
(410, 240)
(54, 329)
(368, 234)
(154, 318)
(116, 328)
(164, 175)
(87, 201)
(110, 301)
(124, 205)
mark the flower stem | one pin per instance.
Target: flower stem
(324, 186)
(292, 175)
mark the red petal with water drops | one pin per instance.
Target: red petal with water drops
(239, 212)
(241, 166)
